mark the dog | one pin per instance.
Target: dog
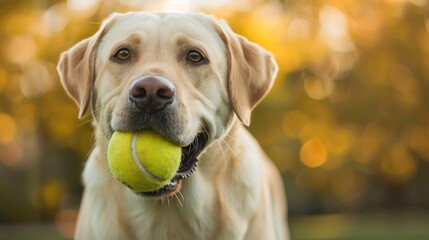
(190, 78)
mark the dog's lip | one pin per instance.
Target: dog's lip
(188, 164)
(169, 189)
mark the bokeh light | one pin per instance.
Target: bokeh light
(313, 153)
(7, 128)
(398, 165)
(65, 221)
(21, 49)
(334, 29)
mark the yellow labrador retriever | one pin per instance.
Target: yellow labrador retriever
(190, 78)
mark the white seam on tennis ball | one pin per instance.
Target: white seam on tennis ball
(137, 161)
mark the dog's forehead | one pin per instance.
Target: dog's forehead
(160, 25)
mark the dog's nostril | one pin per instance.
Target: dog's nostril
(138, 92)
(166, 92)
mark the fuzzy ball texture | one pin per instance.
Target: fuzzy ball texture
(143, 161)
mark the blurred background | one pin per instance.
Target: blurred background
(347, 122)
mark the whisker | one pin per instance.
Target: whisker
(180, 203)
(87, 115)
(180, 193)
(83, 123)
(90, 112)
(204, 128)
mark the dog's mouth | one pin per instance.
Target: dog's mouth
(188, 164)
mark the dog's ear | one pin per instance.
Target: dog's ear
(76, 68)
(252, 71)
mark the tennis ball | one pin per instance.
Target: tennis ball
(143, 161)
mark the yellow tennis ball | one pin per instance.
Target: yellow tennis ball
(143, 161)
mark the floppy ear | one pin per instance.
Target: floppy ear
(76, 68)
(252, 71)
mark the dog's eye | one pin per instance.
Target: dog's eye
(122, 55)
(194, 56)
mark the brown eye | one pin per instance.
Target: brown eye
(195, 57)
(122, 55)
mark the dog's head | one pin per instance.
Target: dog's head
(183, 75)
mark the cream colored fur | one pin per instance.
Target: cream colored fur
(236, 192)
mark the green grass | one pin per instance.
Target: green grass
(400, 226)
(361, 227)
(30, 232)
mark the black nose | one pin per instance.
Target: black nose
(152, 93)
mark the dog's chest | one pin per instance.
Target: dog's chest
(192, 214)
(172, 221)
